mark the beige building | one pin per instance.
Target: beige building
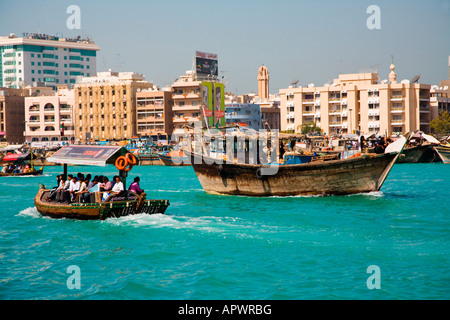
(263, 83)
(154, 113)
(358, 102)
(49, 118)
(440, 98)
(105, 105)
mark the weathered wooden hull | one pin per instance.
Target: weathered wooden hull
(33, 173)
(418, 154)
(98, 210)
(168, 161)
(444, 153)
(335, 177)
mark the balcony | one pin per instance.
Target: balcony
(397, 98)
(185, 119)
(186, 108)
(308, 101)
(396, 122)
(397, 110)
(424, 110)
(183, 96)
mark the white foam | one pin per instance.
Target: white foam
(30, 212)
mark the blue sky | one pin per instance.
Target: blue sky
(310, 41)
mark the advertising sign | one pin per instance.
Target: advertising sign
(219, 104)
(207, 103)
(206, 63)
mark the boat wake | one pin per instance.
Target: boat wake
(30, 212)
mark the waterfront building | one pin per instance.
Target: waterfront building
(188, 105)
(244, 114)
(154, 113)
(358, 103)
(12, 115)
(105, 105)
(45, 60)
(440, 98)
(49, 118)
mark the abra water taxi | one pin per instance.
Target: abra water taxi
(125, 203)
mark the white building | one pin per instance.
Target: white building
(45, 60)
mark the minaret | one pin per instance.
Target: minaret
(263, 83)
(392, 74)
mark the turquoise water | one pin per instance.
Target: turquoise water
(226, 247)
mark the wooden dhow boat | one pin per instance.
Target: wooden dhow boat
(174, 158)
(358, 174)
(125, 203)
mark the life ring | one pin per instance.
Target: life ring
(121, 163)
(258, 173)
(131, 159)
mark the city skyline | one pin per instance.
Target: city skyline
(309, 42)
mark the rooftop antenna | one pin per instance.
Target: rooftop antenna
(294, 83)
(119, 63)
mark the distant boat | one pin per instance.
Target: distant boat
(25, 159)
(421, 153)
(357, 174)
(174, 158)
(444, 152)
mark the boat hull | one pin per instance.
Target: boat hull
(418, 154)
(33, 173)
(97, 210)
(444, 153)
(335, 177)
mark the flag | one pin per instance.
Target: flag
(62, 129)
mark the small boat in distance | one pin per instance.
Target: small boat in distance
(174, 158)
(122, 204)
(25, 160)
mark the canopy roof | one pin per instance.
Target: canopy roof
(87, 155)
(11, 157)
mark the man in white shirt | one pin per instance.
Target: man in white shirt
(74, 187)
(117, 188)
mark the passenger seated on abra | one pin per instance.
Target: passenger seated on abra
(135, 188)
(61, 192)
(74, 187)
(118, 188)
(106, 185)
(90, 191)
(60, 185)
(82, 190)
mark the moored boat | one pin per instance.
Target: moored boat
(124, 203)
(444, 152)
(174, 158)
(25, 160)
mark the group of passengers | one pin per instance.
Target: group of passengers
(16, 168)
(82, 189)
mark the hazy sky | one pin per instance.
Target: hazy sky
(310, 41)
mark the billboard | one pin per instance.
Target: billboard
(219, 104)
(207, 104)
(206, 63)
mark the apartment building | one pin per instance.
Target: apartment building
(154, 113)
(12, 115)
(197, 102)
(440, 98)
(45, 60)
(105, 105)
(49, 118)
(358, 103)
(244, 114)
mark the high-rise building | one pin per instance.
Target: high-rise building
(45, 60)
(358, 102)
(105, 105)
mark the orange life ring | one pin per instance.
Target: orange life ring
(121, 163)
(131, 159)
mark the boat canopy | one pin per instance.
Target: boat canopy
(11, 147)
(12, 157)
(87, 155)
